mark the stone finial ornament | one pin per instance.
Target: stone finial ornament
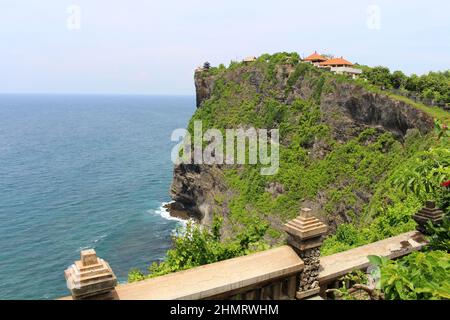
(428, 213)
(305, 231)
(305, 235)
(89, 276)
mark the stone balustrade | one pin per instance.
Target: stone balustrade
(270, 274)
(293, 271)
(335, 266)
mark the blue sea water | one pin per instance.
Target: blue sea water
(83, 171)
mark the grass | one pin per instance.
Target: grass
(435, 112)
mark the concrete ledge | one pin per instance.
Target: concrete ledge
(216, 278)
(339, 264)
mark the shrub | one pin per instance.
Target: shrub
(195, 246)
(380, 76)
(424, 175)
(417, 276)
(439, 236)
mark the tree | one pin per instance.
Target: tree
(398, 80)
(380, 76)
(412, 83)
(428, 93)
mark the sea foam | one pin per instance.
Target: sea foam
(164, 212)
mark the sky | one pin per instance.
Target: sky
(153, 47)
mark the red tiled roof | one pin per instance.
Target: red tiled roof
(315, 57)
(336, 61)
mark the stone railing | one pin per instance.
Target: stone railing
(271, 274)
(337, 265)
(293, 271)
(333, 267)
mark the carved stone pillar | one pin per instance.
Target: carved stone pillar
(429, 213)
(305, 235)
(90, 276)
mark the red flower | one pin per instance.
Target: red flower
(444, 127)
(446, 183)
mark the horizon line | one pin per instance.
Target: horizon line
(98, 94)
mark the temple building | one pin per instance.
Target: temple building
(315, 59)
(336, 65)
(336, 62)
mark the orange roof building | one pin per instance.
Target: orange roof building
(335, 65)
(336, 62)
(315, 58)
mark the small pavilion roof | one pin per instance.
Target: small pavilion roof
(336, 61)
(315, 57)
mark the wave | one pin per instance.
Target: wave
(93, 243)
(164, 213)
(100, 238)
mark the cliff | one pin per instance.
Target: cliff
(355, 105)
(338, 142)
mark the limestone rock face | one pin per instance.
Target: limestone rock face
(194, 188)
(203, 87)
(351, 107)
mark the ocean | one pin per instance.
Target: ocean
(83, 171)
